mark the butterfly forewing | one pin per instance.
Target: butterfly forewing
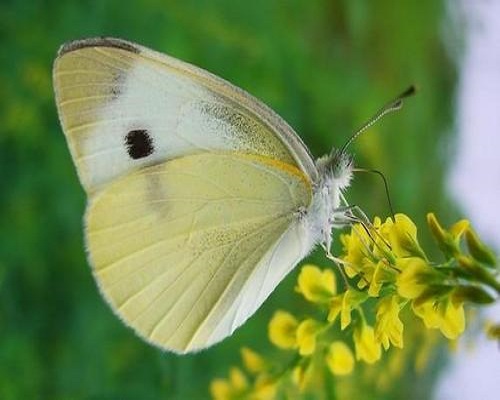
(109, 89)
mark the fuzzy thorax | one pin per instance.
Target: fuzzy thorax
(335, 173)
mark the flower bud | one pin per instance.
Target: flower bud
(478, 250)
(443, 238)
(493, 331)
(474, 294)
(477, 271)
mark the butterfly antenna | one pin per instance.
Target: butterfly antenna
(394, 105)
(386, 186)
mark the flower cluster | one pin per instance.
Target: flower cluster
(238, 385)
(386, 271)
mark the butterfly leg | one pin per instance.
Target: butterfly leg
(339, 263)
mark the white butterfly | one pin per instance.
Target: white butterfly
(200, 198)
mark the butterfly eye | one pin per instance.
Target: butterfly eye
(139, 144)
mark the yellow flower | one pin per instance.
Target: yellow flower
(380, 275)
(265, 389)
(402, 236)
(366, 346)
(302, 375)
(306, 336)
(415, 277)
(252, 361)
(283, 330)
(447, 315)
(388, 326)
(358, 249)
(315, 285)
(340, 359)
(222, 389)
(356, 245)
(343, 304)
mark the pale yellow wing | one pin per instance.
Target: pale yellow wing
(123, 106)
(185, 251)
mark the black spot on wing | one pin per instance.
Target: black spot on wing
(98, 42)
(139, 144)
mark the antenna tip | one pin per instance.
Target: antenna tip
(413, 89)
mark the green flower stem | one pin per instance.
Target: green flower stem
(288, 367)
(361, 314)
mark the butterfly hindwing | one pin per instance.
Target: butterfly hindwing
(185, 257)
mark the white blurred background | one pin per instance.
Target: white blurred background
(474, 180)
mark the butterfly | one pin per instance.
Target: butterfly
(201, 199)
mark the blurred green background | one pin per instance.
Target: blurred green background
(325, 66)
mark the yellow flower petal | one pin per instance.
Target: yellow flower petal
(436, 228)
(381, 275)
(388, 326)
(357, 247)
(343, 304)
(402, 236)
(345, 313)
(252, 361)
(316, 285)
(303, 375)
(366, 346)
(453, 322)
(220, 389)
(283, 330)
(340, 359)
(265, 389)
(429, 312)
(234, 387)
(238, 379)
(306, 336)
(335, 307)
(362, 283)
(415, 276)
(458, 229)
